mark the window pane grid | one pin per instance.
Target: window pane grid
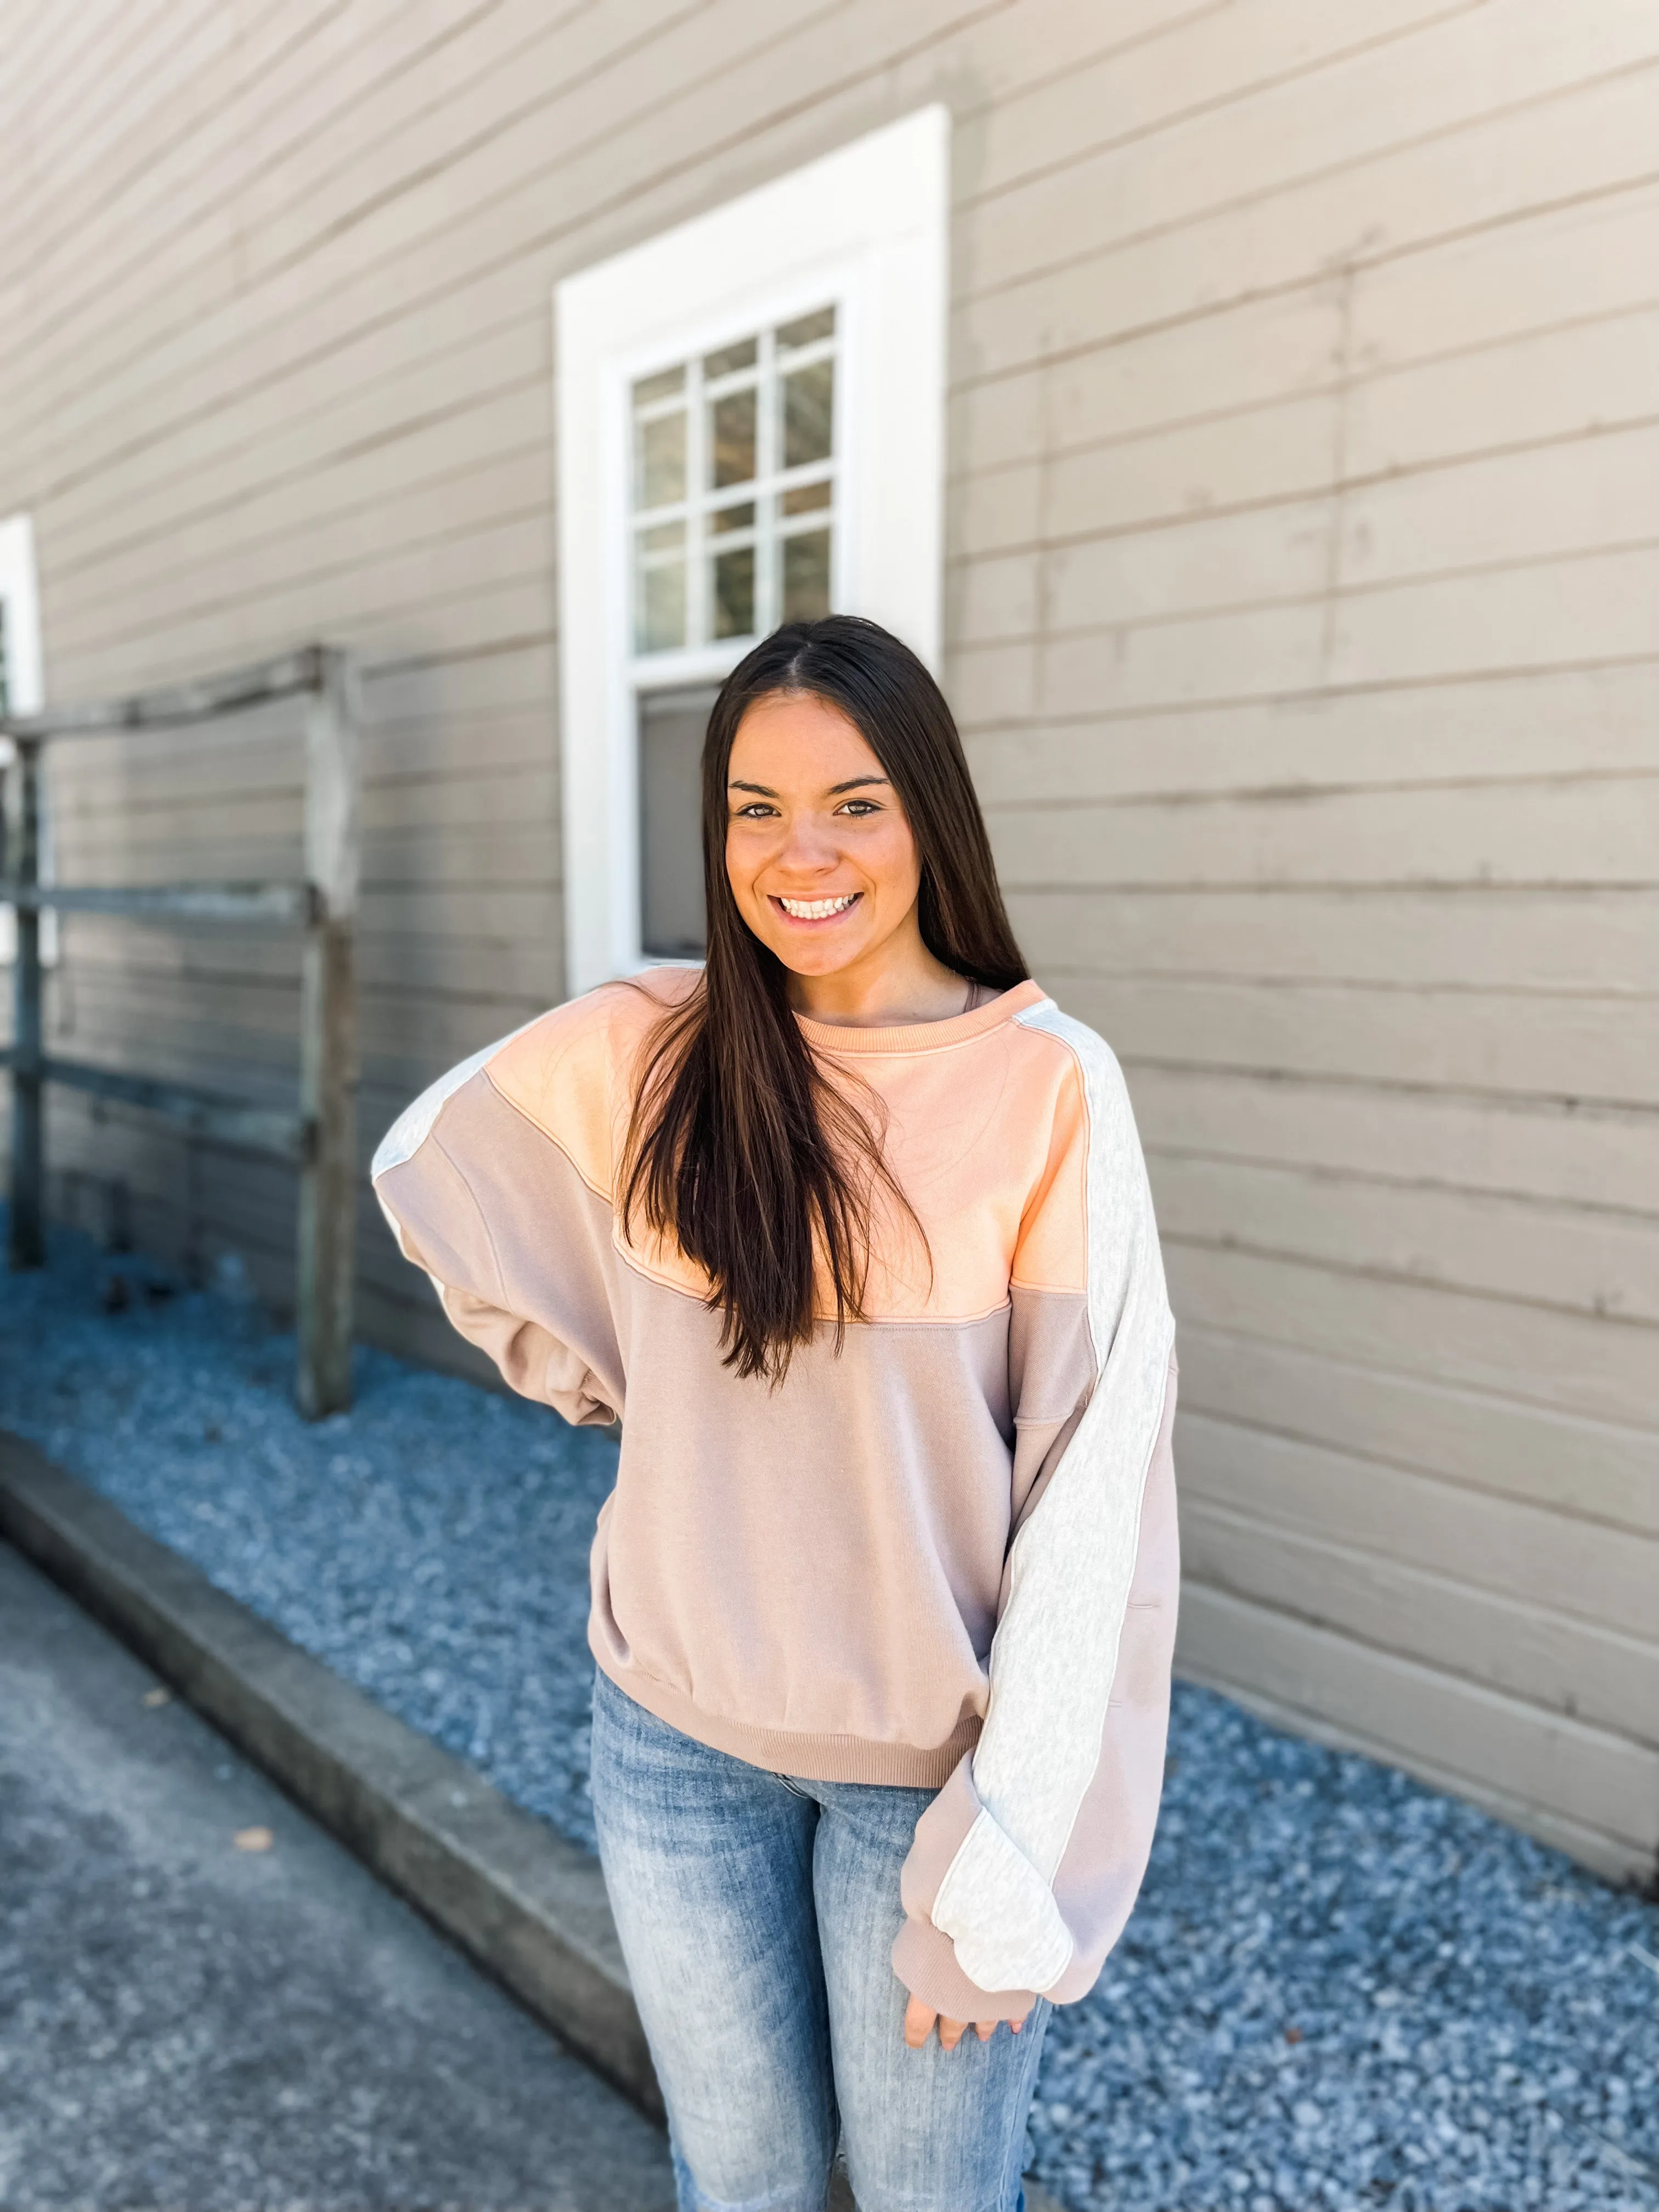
(733, 488)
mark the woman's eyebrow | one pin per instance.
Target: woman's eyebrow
(765, 790)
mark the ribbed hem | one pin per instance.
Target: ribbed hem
(808, 1757)
(923, 1037)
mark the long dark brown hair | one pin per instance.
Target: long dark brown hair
(739, 1148)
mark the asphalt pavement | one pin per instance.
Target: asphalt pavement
(206, 2005)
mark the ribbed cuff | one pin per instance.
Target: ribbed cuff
(926, 1962)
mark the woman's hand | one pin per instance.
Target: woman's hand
(918, 2021)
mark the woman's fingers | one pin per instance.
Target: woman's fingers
(920, 2019)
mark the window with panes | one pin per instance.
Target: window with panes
(734, 489)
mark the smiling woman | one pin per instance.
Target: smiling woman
(851, 1229)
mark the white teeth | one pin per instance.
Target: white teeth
(816, 909)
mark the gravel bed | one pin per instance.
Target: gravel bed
(431, 1545)
(1340, 1989)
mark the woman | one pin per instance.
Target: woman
(851, 1229)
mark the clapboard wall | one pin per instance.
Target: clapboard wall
(1304, 623)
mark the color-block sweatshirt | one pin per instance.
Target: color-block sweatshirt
(945, 1557)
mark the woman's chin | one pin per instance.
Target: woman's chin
(806, 958)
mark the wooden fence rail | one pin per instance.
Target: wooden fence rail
(321, 1136)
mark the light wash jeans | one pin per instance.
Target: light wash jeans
(757, 1914)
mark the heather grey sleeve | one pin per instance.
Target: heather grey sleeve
(1030, 1857)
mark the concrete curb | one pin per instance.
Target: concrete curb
(522, 1901)
(529, 1906)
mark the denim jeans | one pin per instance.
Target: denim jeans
(756, 1913)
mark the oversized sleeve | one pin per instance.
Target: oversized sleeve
(1026, 1865)
(494, 1182)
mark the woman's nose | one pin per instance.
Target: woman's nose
(808, 844)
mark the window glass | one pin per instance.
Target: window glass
(806, 499)
(660, 387)
(672, 725)
(729, 358)
(732, 439)
(661, 460)
(807, 330)
(660, 596)
(807, 576)
(734, 451)
(808, 407)
(734, 593)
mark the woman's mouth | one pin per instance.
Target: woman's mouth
(816, 910)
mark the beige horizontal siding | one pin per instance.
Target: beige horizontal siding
(1482, 1539)
(1573, 721)
(1327, 1396)
(1527, 1650)
(1541, 1768)
(1304, 531)
(1568, 1363)
(1509, 1046)
(1549, 1256)
(1321, 226)
(1433, 1138)
(1556, 830)
(1602, 940)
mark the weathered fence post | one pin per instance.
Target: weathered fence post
(26, 1238)
(328, 1041)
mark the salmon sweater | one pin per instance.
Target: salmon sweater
(944, 1556)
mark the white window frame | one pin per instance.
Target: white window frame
(21, 598)
(20, 590)
(866, 228)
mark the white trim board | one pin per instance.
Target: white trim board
(866, 226)
(19, 594)
(19, 590)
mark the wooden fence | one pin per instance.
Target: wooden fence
(320, 1136)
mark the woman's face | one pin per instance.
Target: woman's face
(819, 855)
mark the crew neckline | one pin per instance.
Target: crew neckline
(923, 1037)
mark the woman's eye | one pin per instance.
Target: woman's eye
(857, 806)
(757, 810)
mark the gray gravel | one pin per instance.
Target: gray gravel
(1339, 1990)
(431, 1545)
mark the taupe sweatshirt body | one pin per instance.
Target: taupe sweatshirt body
(946, 1557)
